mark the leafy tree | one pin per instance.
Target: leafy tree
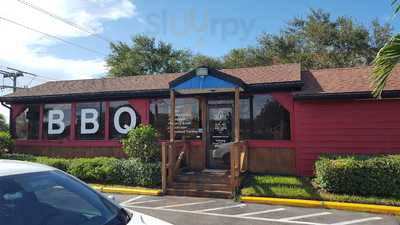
(245, 57)
(386, 59)
(3, 123)
(320, 42)
(146, 56)
(203, 60)
(316, 41)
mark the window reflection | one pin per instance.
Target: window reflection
(27, 123)
(271, 121)
(187, 117)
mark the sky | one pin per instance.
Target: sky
(210, 27)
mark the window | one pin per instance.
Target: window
(187, 117)
(57, 121)
(245, 118)
(90, 120)
(27, 123)
(263, 118)
(271, 121)
(159, 117)
(123, 117)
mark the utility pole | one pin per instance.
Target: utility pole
(13, 76)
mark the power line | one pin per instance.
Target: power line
(53, 36)
(9, 86)
(32, 74)
(55, 16)
(14, 74)
(13, 77)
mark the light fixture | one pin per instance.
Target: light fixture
(202, 71)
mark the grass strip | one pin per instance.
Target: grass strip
(302, 188)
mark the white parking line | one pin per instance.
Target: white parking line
(131, 200)
(305, 216)
(219, 208)
(357, 221)
(229, 216)
(183, 204)
(260, 212)
(153, 200)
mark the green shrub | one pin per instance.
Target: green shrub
(97, 169)
(359, 175)
(137, 173)
(101, 169)
(22, 157)
(141, 143)
(6, 141)
(59, 163)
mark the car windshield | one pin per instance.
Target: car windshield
(52, 198)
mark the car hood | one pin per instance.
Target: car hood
(142, 219)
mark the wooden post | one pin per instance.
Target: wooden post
(204, 112)
(164, 167)
(172, 117)
(237, 114)
(171, 156)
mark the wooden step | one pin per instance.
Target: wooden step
(197, 193)
(207, 183)
(201, 186)
(203, 178)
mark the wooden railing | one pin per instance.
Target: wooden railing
(239, 162)
(174, 155)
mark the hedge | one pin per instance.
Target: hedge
(359, 175)
(105, 170)
(6, 141)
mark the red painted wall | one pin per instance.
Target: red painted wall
(353, 126)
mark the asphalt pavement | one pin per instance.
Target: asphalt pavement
(204, 211)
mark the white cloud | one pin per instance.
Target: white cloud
(28, 50)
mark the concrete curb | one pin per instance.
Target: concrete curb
(134, 191)
(324, 204)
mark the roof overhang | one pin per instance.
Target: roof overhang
(275, 86)
(107, 95)
(209, 81)
(206, 80)
(345, 95)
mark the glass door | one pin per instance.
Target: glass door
(220, 133)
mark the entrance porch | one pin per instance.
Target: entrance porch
(221, 153)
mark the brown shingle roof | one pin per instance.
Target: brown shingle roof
(316, 82)
(344, 80)
(254, 75)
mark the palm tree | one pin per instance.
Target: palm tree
(386, 59)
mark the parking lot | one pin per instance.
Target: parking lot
(203, 211)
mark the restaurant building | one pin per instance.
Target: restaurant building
(280, 118)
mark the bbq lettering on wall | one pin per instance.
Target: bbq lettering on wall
(90, 120)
